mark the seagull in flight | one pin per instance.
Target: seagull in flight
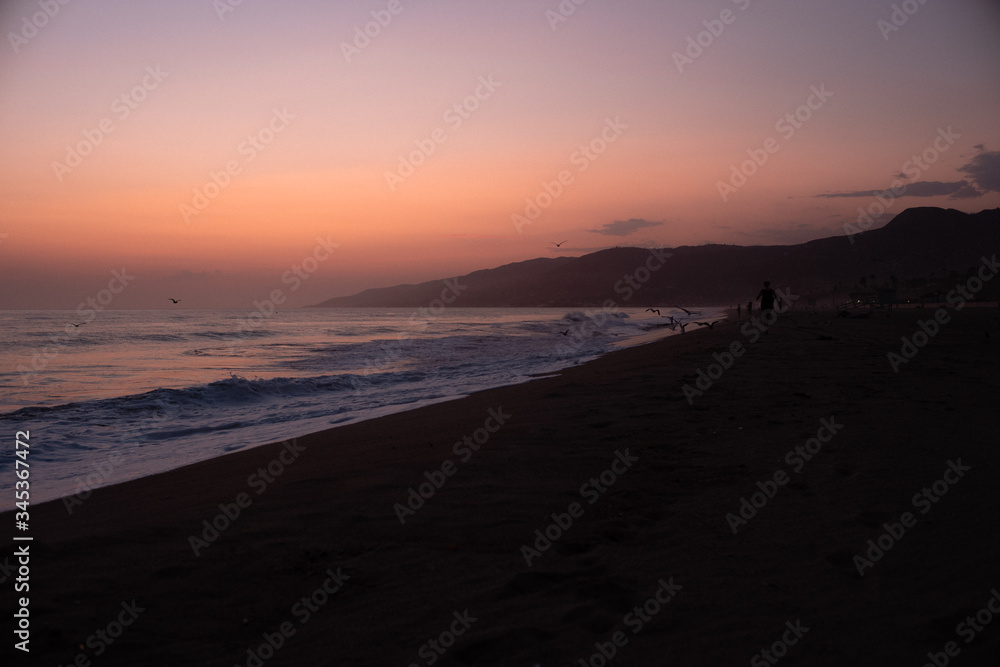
(76, 325)
(174, 300)
(557, 244)
(684, 309)
(706, 324)
(654, 310)
(565, 333)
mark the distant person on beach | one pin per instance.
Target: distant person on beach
(766, 297)
(749, 308)
(739, 309)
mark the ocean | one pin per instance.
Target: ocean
(134, 393)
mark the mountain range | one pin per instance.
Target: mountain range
(921, 251)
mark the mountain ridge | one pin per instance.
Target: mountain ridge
(916, 250)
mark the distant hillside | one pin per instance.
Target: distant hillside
(919, 251)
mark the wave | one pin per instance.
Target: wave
(234, 334)
(580, 316)
(158, 337)
(233, 391)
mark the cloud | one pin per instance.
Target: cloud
(984, 170)
(915, 189)
(982, 176)
(624, 227)
(966, 192)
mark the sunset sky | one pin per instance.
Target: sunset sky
(208, 147)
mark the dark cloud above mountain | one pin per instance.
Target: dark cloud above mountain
(984, 170)
(982, 176)
(915, 189)
(624, 227)
(966, 192)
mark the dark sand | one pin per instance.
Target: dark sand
(662, 519)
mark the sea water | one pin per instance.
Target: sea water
(134, 393)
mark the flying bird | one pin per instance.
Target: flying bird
(654, 310)
(684, 309)
(683, 326)
(706, 324)
(174, 300)
(557, 244)
(565, 333)
(76, 325)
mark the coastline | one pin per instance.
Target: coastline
(100, 441)
(662, 519)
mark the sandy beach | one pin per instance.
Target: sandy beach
(727, 496)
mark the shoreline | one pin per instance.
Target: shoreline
(660, 518)
(147, 467)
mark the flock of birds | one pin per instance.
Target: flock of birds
(675, 323)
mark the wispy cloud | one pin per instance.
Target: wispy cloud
(624, 227)
(915, 189)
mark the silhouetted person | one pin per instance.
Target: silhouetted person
(766, 297)
(749, 308)
(739, 310)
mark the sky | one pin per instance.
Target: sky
(220, 151)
